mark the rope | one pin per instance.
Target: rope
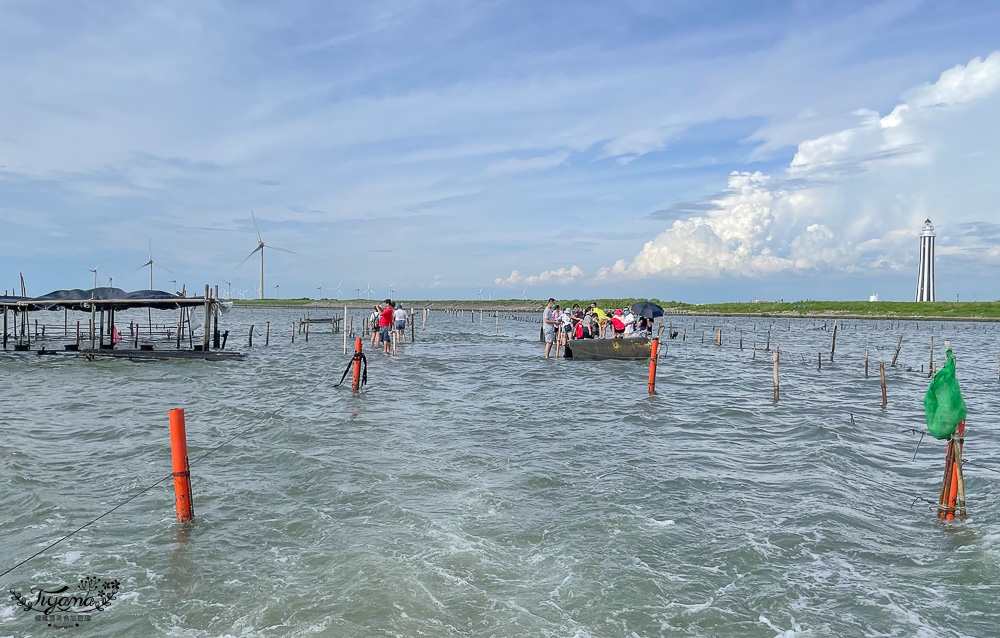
(191, 463)
(358, 356)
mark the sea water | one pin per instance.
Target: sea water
(476, 489)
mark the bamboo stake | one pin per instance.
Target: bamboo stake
(819, 360)
(741, 339)
(866, 363)
(719, 340)
(833, 342)
(931, 366)
(754, 356)
(881, 373)
(250, 337)
(774, 363)
(267, 333)
(898, 346)
(767, 348)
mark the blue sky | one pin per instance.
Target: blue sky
(696, 151)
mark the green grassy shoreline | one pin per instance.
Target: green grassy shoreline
(965, 310)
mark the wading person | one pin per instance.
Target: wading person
(399, 319)
(385, 325)
(549, 326)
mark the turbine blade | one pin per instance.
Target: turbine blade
(142, 266)
(161, 267)
(281, 249)
(257, 230)
(250, 255)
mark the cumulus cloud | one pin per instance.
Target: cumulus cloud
(558, 276)
(853, 200)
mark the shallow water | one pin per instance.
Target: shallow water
(476, 489)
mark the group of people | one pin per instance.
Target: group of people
(592, 323)
(386, 319)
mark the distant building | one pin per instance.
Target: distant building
(925, 275)
(873, 297)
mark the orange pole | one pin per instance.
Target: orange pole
(182, 474)
(952, 491)
(654, 352)
(356, 382)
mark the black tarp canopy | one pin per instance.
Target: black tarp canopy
(103, 298)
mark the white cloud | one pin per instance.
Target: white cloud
(514, 165)
(558, 276)
(852, 200)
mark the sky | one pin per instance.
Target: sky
(695, 151)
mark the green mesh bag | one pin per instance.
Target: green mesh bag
(944, 406)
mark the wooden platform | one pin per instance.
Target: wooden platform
(121, 353)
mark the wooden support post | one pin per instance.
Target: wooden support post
(741, 339)
(719, 340)
(208, 320)
(345, 329)
(307, 332)
(774, 364)
(654, 352)
(866, 363)
(767, 348)
(182, 470)
(267, 333)
(898, 346)
(77, 335)
(833, 342)
(498, 322)
(685, 336)
(425, 318)
(819, 360)
(881, 373)
(250, 337)
(5, 329)
(413, 326)
(395, 338)
(293, 332)
(754, 355)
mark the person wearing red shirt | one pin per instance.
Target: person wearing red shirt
(385, 324)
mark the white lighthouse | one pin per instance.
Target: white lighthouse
(925, 277)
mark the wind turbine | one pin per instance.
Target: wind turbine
(481, 293)
(260, 248)
(94, 270)
(151, 263)
(320, 289)
(358, 290)
(174, 284)
(390, 289)
(111, 281)
(277, 291)
(230, 284)
(338, 290)
(522, 295)
(369, 291)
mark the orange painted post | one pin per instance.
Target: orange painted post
(182, 474)
(654, 352)
(356, 379)
(953, 485)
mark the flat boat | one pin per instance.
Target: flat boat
(628, 349)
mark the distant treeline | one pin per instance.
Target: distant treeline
(890, 309)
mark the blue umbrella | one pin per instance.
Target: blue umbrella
(647, 309)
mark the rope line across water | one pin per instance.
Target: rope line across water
(170, 476)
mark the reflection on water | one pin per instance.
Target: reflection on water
(475, 489)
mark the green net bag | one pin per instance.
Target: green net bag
(944, 406)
